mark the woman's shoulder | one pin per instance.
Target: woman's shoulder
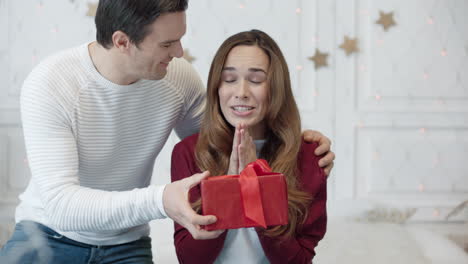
(307, 151)
(312, 176)
(187, 143)
(183, 162)
(185, 148)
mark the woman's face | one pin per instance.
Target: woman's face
(243, 92)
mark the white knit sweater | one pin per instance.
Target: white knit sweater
(91, 145)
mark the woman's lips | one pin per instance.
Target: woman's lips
(242, 110)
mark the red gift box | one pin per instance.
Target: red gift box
(256, 197)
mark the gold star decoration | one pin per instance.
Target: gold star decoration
(349, 45)
(319, 59)
(92, 7)
(188, 56)
(386, 20)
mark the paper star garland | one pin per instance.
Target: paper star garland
(319, 59)
(349, 45)
(386, 20)
(92, 7)
(188, 56)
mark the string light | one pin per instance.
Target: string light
(421, 187)
(425, 76)
(430, 21)
(364, 12)
(376, 155)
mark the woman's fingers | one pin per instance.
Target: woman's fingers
(247, 150)
(234, 158)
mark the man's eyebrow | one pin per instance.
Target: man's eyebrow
(170, 41)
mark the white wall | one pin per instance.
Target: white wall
(396, 111)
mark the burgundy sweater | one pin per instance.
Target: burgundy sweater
(299, 249)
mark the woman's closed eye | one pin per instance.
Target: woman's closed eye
(229, 80)
(229, 77)
(257, 77)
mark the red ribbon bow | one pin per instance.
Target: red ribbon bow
(250, 190)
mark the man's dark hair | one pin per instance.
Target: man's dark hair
(132, 17)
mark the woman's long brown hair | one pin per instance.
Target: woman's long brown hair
(283, 127)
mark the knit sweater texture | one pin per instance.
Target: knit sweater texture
(91, 145)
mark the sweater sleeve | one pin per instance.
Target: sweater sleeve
(301, 249)
(53, 160)
(188, 249)
(193, 91)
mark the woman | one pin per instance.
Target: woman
(251, 113)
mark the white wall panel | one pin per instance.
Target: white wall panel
(401, 127)
(411, 161)
(419, 65)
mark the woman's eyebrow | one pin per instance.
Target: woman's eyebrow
(257, 70)
(250, 69)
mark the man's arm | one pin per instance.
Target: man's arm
(193, 92)
(53, 158)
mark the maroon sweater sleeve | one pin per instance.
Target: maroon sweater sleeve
(189, 250)
(301, 249)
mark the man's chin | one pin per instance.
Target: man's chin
(157, 76)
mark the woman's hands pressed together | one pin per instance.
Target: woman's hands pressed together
(243, 150)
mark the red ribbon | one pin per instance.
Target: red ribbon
(251, 198)
(250, 189)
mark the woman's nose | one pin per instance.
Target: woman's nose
(243, 90)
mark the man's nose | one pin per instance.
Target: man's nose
(177, 51)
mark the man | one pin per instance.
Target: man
(95, 117)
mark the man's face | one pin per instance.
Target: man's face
(152, 56)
